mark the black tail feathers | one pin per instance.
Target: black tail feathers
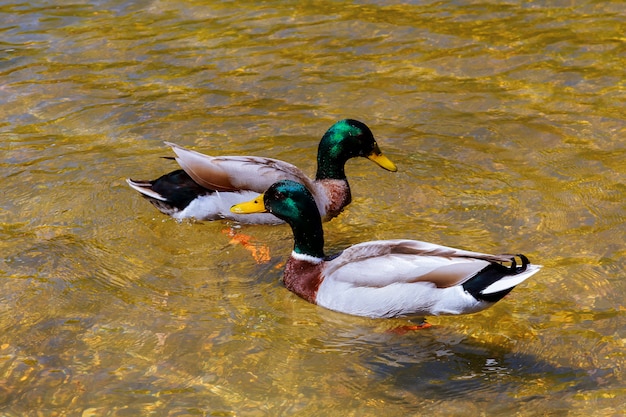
(492, 273)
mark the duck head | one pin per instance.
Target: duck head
(347, 139)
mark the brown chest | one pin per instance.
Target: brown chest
(303, 278)
(338, 196)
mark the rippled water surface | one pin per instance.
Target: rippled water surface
(507, 123)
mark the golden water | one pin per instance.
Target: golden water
(506, 120)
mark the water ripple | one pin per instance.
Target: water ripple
(506, 123)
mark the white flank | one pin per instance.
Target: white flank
(217, 206)
(401, 299)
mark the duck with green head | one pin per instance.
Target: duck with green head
(384, 278)
(207, 186)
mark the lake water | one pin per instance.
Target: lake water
(506, 121)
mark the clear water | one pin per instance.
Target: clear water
(506, 120)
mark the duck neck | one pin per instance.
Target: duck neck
(331, 158)
(308, 235)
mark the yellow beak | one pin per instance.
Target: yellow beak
(253, 206)
(382, 161)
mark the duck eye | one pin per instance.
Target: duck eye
(277, 195)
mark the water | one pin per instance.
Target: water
(506, 120)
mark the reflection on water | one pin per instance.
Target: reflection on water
(506, 123)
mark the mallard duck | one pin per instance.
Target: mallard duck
(208, 186)
(384, 278)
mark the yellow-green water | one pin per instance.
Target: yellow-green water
(507, 123)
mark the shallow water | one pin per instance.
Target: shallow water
(506, 120)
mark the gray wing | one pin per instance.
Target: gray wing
(384, 262)
(233, 173)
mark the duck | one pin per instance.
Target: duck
(384, 278)
(207, 186)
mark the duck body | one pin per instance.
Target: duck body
(393, 278)
(178, 195)
(207, 186)
(387, 278)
